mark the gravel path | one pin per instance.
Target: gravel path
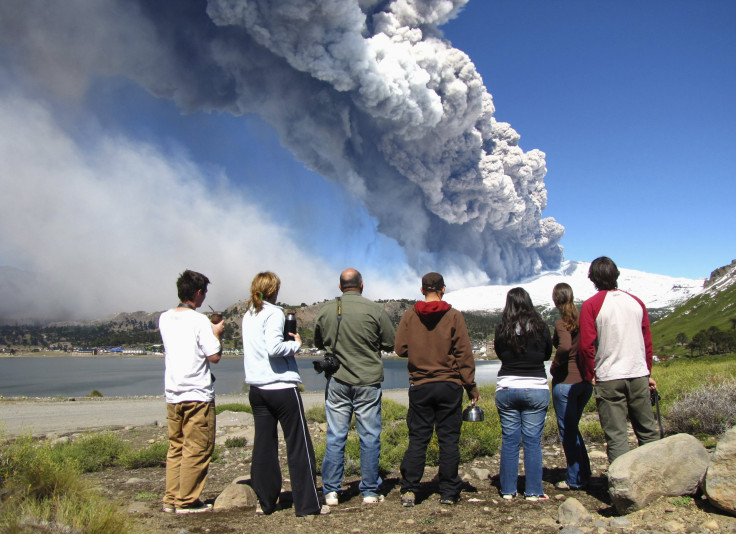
(40, 417)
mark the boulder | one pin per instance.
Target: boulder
(672, 466)
(237, 495)
(572, 512)
(720, 480)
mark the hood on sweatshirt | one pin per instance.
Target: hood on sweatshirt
(430, 313)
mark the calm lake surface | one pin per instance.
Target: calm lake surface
(129, 377)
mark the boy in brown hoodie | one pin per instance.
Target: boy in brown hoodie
(434, 337)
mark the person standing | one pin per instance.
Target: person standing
(616, 353)
(522, 343)
(570, 393)
(191, 343)
(356, 330)
(273, 375)
(434, 337)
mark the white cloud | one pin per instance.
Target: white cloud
(112, 224)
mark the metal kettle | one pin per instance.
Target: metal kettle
(474, 414)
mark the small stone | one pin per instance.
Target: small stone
(711, 525)
(135, 481)
(619, 522)
(673, 526)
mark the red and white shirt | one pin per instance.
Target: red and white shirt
(615, 340)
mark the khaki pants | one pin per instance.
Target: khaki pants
(191, 442)
(615, 400)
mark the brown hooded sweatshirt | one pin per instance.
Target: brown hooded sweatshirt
(434, 337)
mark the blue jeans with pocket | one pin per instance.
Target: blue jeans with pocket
(522, 412)
(365, 402)
(569, 401)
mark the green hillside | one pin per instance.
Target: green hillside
(706, 323)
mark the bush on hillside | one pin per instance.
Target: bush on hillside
(709, 409)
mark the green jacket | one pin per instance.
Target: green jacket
(365, 330)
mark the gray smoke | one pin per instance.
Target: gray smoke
(365, 92)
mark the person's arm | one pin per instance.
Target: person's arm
(273, 330)
(586, 345)
(387, 333)
(401, 344)
(547, 343)
(463, 351)
(217, 330)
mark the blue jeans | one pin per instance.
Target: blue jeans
(569, 401)
(522, 413)
(342, 401)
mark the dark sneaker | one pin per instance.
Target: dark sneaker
(197, 507)
(408, 499)
(449, 500)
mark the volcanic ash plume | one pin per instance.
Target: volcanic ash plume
(365, 92)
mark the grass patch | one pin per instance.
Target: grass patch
(152, 456)
(235, 443)
(233, 407)
(316, 414)
(42, 487)
(92, 452)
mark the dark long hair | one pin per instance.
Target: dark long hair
(520, 322)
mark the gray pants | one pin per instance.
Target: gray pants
(617, 398)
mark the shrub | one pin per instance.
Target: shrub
(152, 456)
(591, 430)
(94, 393)
(92, 452)
(709, 409)
(233, 407)
(316, 414)
(42, 491)
(234, 443)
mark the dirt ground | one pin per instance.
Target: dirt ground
(139, 493)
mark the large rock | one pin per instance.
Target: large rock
(237, 495)
(672, 466)
(720, 480)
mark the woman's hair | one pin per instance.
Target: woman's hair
(520, 322)
(563, 299)
(263, 287)
(603, 273)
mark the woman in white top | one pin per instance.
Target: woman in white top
(273, 376)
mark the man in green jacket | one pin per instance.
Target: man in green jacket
(434, 337)
(356, 336)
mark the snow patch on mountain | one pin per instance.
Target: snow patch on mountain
(656, 291)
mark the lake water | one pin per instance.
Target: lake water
(129, 377)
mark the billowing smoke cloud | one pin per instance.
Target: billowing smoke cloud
(365, 92)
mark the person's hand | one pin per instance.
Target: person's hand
(474, 397)
(652, 383)
(297, 338)
(218, 329)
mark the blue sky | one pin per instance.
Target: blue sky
(632, 103)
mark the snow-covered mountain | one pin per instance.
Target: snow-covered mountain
(655, 290)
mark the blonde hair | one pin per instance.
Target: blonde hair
(262, 288)
(563, 298)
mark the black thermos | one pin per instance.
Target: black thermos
(289, 326)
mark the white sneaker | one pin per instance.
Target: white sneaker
(372, 499)
(331, 499)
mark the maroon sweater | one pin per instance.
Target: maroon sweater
(434, 337)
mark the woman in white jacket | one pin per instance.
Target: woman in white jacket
(273, 376)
